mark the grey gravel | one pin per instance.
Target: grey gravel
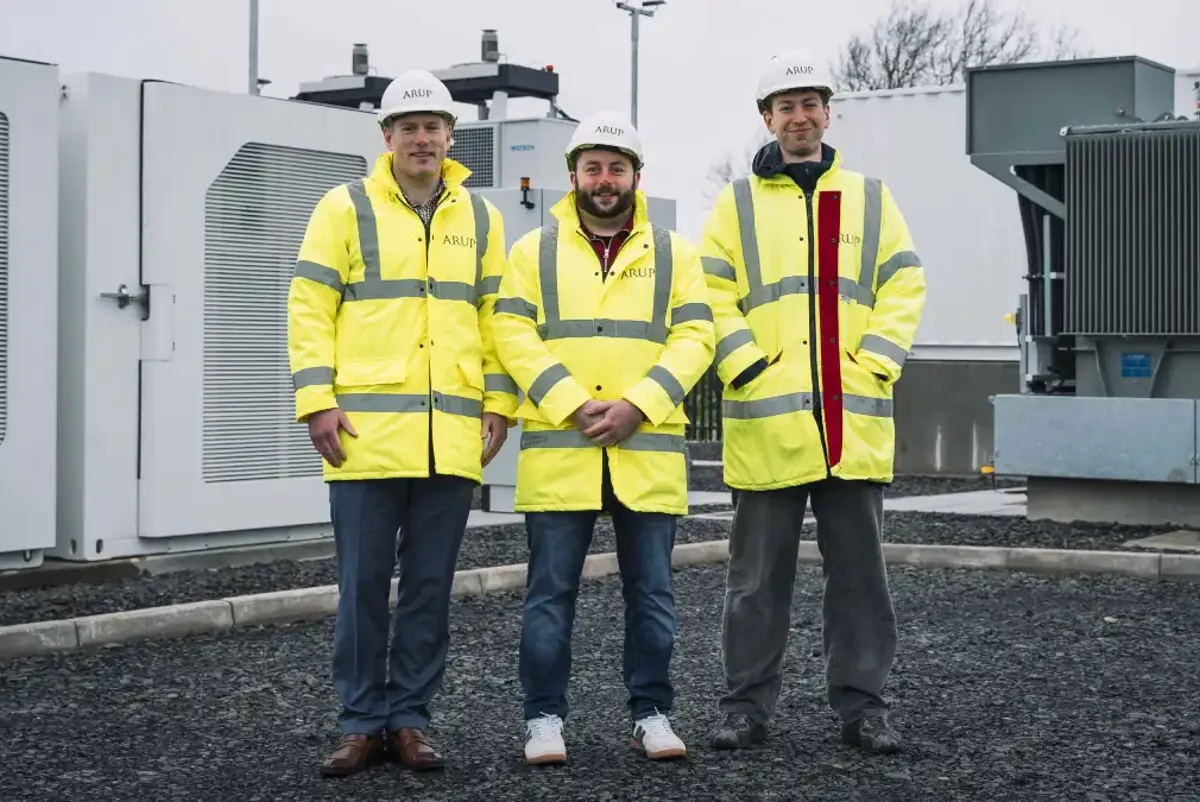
(1014, 532)
(1007, 687)
(711, 478)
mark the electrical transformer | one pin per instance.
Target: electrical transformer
(1105, 426)
(29, 214)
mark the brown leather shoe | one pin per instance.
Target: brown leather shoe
(413, 749)
(353, 754)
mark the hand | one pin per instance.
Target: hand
(619, 421)
(323, 429)
(495, 432)
(591, 413)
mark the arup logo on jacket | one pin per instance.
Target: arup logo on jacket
(415, 93)
(458, 240)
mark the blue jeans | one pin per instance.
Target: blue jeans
(558, 545)
(431, 517)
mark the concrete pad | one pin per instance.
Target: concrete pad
(481, 518)
(155, 622)
(1179, 540)
(284, 606)
(1066, 561)
(43, 637)
(977, 502)
(703, 497)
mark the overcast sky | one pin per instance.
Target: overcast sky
(698, 57)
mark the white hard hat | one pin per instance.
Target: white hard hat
(606, 129)
(792, 69)
(416, 91)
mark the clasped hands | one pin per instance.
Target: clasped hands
(607, 423)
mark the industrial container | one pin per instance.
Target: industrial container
(29, 214)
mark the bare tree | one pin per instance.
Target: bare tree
(915, 45)
(734, 164)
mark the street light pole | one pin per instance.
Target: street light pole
(253, 77)
(645, 9)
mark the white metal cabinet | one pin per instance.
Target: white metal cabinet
(29, 94)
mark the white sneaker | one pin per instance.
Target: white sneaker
(654, 736)
(544, 741)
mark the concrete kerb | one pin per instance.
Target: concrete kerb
(311, 604)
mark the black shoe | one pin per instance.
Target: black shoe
(738, 731)
(872, 733)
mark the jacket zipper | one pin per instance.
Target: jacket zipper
(812, 328)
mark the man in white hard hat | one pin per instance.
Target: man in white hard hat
(390, 336)
(603, 321)
(817, 292)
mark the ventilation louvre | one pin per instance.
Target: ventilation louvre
(1133, 231)
(4, 201)
(475, 149)
(256, 213)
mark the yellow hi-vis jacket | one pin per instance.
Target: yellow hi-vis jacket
(766, 247)
(567, 335)
(394, 326)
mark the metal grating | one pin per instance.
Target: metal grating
(4, 150)
(1133, 231)
(475, 148)
(255, 215)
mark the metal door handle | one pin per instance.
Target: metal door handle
(123, 297)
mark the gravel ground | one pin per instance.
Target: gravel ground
(710, 478)
(1007, 686)
(502, 545)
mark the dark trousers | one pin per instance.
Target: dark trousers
(431, 517)
(558, 546)
(859, 623)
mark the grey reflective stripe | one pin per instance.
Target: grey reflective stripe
(453, 290)
(382, 402)
(457, 405)
(798, 285)
(380, 290)
(872, 223)
(368, 232)
(516, 306)
(573, 438)
(555, 328)
(312, 377)
(663, 378)
(731, 342)
(546, 381)
(625, 329)
(696, 310)
(883, 347)
(719, 268)
(482, 227)
(796, 402)
(895, 264)
(409, 402)
(744, 201)
(499, 383)
(319, 273)
(548, 271)
(490, 285)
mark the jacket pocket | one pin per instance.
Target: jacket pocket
(472, 373)
(365, 373)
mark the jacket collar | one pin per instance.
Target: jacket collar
(454, 173)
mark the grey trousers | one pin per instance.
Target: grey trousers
(859, 622)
